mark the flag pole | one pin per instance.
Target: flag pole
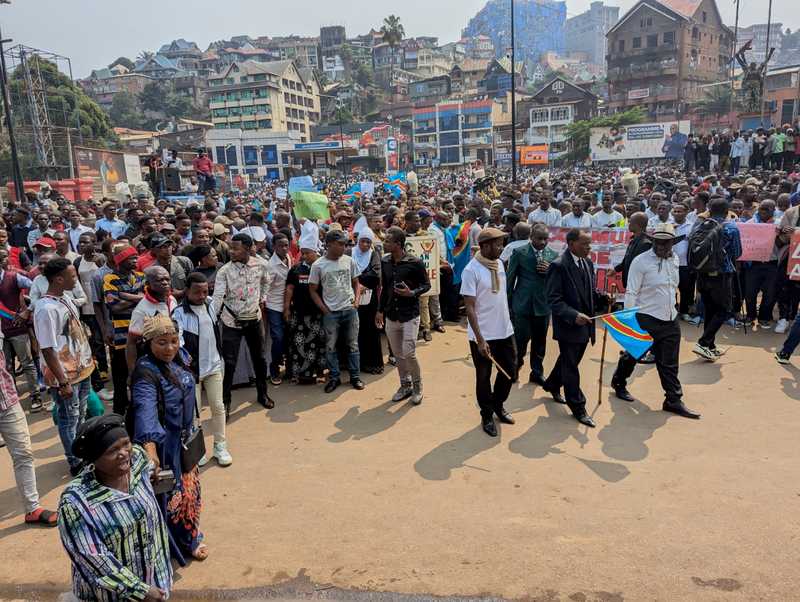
(603, 350)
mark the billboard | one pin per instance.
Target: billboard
(107, 168)
(533, 155)
(641, 141)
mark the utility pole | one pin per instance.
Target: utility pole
(514, 100)
(733, 51)
(19, 188)
(766, 63)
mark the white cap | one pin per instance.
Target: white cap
(255, 232)
(309, 236)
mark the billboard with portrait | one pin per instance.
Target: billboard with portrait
(641, 141)
(107, 168)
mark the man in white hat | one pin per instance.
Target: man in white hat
(652, 288)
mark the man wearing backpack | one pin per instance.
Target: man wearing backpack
(714, 246)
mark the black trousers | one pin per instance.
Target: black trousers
(119, 376)
(504, 352)
(760, 277)
(717, 295)
(231, 343)
(686, 287)
(448, 296)
(98, 349)
(533, 330)
(787, 293)
(666, 349)
(566, 374)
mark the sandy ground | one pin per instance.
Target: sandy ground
(339, 496)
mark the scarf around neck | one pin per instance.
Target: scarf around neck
(492, 265)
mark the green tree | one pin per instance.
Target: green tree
(578, 132)
(363, 76)
(717, 101)
(125, 62)
(393, 33)
(176, 106)
(153, 97)
(126, 111)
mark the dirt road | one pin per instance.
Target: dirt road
(335, 496)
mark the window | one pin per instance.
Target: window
(285, 82)
(262, 93)
(622, 45)
(265, 123)
(250, 152)
(230, 156)
(695, 33)
(669, 37)
(220, 152)
(705, 17)
(637, 43)
(649, 21)
(286, 97)
(560, 114)
(269, 154)
(652, 41)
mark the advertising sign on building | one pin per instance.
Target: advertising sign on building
(392, 156)
(638, 93)
(107, 168)
(640, 141)
(533, 155)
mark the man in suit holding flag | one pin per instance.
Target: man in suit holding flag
(573, 300)
(652, 291)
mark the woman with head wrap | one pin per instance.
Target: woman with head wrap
(305, 343)
(368, 268)
(109, 518)
(163, 395)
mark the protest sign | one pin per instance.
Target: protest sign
(311, 205)
(793, 269)
(757, 241)
(427, 249)
(280, 193)
(608, 250)
(301, 184)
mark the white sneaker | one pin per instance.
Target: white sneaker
(782, 326)
(705, 353)
(203, 461)
(222, 455)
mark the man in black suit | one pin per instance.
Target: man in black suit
(573, 299)
(639, 243)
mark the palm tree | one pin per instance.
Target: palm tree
(393, 33)
(145, 55)
(717, 102)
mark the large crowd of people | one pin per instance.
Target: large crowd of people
(146, 304)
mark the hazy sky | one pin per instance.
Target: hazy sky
(95, 32)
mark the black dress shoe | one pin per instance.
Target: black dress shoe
(623, 394)
(505, 417)
(680, 409)
(357, 384)
(536, 380)
(556, 395)
(585, 419)
(489, 427)
(332, 384)
(270, 403)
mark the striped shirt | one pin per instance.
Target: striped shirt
(117, 542)
(113, 285)
(8, 390)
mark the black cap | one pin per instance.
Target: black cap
(96, 435)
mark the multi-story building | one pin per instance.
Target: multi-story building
(102, 85)
(453, 133)
(303, 51)
(758, 33)
(576, 65)
(264, 96)
(331, 38)
(587, 31)
(432, 62)
(429, 91)
(247, 52)
(480, 47)
(497, 80)
(159, 66)
(551, 109)
(539, 27)
(184, 53)
(465, 76)
(259, 154)
(662, 52)
(456, 52)
(781, 98)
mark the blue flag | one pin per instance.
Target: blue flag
(624, 328)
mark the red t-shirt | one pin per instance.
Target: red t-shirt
(203, 165)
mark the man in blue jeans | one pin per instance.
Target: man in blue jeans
(278, 265)
(333, 284)
(66, 354)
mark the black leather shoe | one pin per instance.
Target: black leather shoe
(489, 427)
(332, 385)
(357, 384)
(680, 409)
(505, 417)
(623, 394)
(536, 380)
(440, 328)
(585, 419)
(556, 395)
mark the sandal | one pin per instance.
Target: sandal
(40, 516)
(200, 552)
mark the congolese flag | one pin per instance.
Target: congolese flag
(458, 248)
(624, 328)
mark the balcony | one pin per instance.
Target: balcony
(424, 145)
(483, 125)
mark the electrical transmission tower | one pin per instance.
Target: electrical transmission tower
(37, 102)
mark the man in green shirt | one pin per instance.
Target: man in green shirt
(527, 298)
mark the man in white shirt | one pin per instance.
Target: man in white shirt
(577, 219)
(277, 269)
(688, 279)
(490, 333)
(545, 213)
(652, 289)
(662, 215)
(607, 217)
(75, 229)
